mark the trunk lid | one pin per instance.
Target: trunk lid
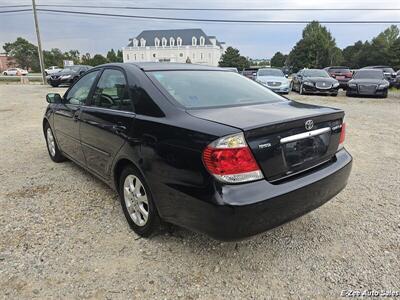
(277, 134)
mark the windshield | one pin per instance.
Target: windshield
(368, 74)
(72, 68)
(315, 73)
(270, 72)
(198, 89)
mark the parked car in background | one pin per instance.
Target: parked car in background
(52, 70)
(15, 72)
(274, 79)
(199, 147)
(397, 81)
(389, 73)
(315, 81)
(341, 74)
(368, 82)
(250, 73)
(67, 75)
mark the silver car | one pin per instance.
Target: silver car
(274, 79)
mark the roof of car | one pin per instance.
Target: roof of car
(165, 66)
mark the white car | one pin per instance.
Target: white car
(274, 79)
(52, 70)
(15, 72)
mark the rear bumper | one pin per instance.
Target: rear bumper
(249, 209)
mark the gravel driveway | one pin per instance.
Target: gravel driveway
(63, 234)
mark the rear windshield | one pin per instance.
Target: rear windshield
(270, 72)
(200, 89)
(368, 74)
(315, 73)
(340, 70)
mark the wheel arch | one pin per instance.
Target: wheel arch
(119, 167)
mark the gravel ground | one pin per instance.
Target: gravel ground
(63, 234)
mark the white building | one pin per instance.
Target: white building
(176, 45)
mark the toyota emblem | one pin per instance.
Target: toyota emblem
(309, 124)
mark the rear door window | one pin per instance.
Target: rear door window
(112, 91)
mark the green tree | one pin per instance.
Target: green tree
(120, 56)
(73, 55)
(232, 58)
(316, 49)
(25, 54)
(112, 56)
(97, 59)
(54, 57)
(278, 60)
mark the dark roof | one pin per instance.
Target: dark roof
(185, 34)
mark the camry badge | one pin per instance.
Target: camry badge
(309, 124)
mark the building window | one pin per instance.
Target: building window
(194, 55)
(179, 41)
(164, 42)
(194, 41)
(142, 56)
(135, 56)
(202, 41)
(135, 42)
(172, 41)
(142, 42)
(154, 55)
(201, 55)
(181, 54)
(157, 42)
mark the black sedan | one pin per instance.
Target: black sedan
(315, 81)
(390, 74)
(368, 82)
(67, 75)
(198, 146)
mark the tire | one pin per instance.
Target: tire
(5, 73)
(52, 147)
(334, 95)
(137, 201)
(54, 84)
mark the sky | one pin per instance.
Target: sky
(99, 34)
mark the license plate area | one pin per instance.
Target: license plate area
(306, 151)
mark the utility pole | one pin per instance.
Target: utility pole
(39, 42)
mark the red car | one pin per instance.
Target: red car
(341, 74)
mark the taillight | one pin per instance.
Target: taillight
(229, 159)
(349, 74)
(342, 133)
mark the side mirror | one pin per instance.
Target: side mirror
(53, 98)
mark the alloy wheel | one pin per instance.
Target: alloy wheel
(136, 201)
(50, 142)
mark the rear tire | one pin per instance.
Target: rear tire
(52, 147)
(137, 202)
